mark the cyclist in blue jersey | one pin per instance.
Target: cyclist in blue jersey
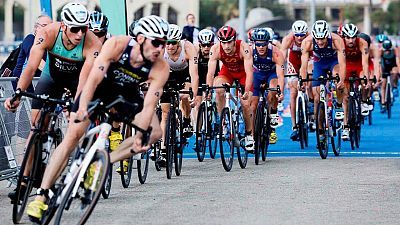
(268, 64)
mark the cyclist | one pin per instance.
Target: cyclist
(291, 48)
(98, 24)
(182, 58)
(371, 48)
(206, 41)
(120, 68)
(237, 64)
(70, 55)
(268, 67)
(388, 58)
(357, 55)
(328, 55)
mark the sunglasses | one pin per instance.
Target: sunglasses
(157, 43)
(300, 35)
(77, 29)
(100, 34)
(261, 44)
(172, 42)
(207, 45)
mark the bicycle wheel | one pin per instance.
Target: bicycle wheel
(240, 135)
(226, 139)
(370, 118)
(143, 166)
(300, 123)
(52, 205)
(75, 208)
(388, 100)
(126, 176)
(170, 141)
(180, 144)
(352, 122)
(156, 149)
(337, 139)
(201, 133)
(105, 191)
(305, 128)
(213, 131)
(322, 137)
(258, 137)
(34, 148)
(265, 131)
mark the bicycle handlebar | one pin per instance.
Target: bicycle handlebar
(65, 101)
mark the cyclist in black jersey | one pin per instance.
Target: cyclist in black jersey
(120, 68)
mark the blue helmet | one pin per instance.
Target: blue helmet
(260, 34)
(381, 37)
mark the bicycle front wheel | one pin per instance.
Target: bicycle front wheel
(201, 133)
(240, 134)
(126, 175)
(213, 131)
(170, 141)
(258, 133)
(322, 136)
(226, 139)
(143, 166)
(76, 207)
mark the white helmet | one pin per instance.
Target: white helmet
(300, 27)
(206, 36)
(75, 15)
(152, 27)
(175, 32)
(320, 29)
(270, 32)
(349, 30)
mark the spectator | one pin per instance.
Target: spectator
(190, 31)
(26, 46)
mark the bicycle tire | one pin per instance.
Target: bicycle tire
(179, 145)
(143, 166)
(106, 190)
(266, 132)
(300, 123)
(201, 133)
(35, 143)
(242, 153)
(170, 141)
(126, 177)
(226, 157)
(388, 100)
(258, 133)
(213, 131)
(337, 132)
(52, 206)
(321, 122)
(65, 204)
(351, 123)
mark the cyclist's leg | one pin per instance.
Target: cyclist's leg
(247, 112)
(125, 149)
(220, 92)
(186, 109)
(383, 88)
(256, 94)
(164, 116)
(292, 83)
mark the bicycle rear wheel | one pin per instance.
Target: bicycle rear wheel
(337, 139)
(34, 148)
(240, 134)
(226, 139)
(322, 136)
(258, 137)
(389, 100)
(143, 166)
(201, 133)
(213, 131)
(75, 208)
(180, 144)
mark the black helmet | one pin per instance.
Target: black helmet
(387, 44)
(98, 21)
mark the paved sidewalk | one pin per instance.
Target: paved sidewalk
(280, 191)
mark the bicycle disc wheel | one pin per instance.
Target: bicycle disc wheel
(170, 141)
(213, 131)
(75, 208)
(240, 134)
(21, 197)
(322, 137)
(126, 176)
(180, 144)
(201, 133)
(226, 139)
(143, 166)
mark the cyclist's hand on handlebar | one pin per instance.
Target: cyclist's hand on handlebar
(81, 115)
(11, 107)
(137, 143)
(245, 96)
(303, 87)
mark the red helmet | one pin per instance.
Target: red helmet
(226, 34)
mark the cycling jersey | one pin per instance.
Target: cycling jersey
(388, 61)
(233, 66)
(353, 59)
(325, 59)
(203, 69)
(264, 69)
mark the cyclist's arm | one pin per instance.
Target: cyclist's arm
(341, 54)
(158, 76)
(377, 63)
(280, 68)
(364, 57)
(193, 58)
(43, 41)
(248, 65)
(285, 46)
(111, 51)
(306, 47)
(90, 52)
(212, 64)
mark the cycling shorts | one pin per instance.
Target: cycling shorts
(230, 76)
(321, 67)
(259, 77)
